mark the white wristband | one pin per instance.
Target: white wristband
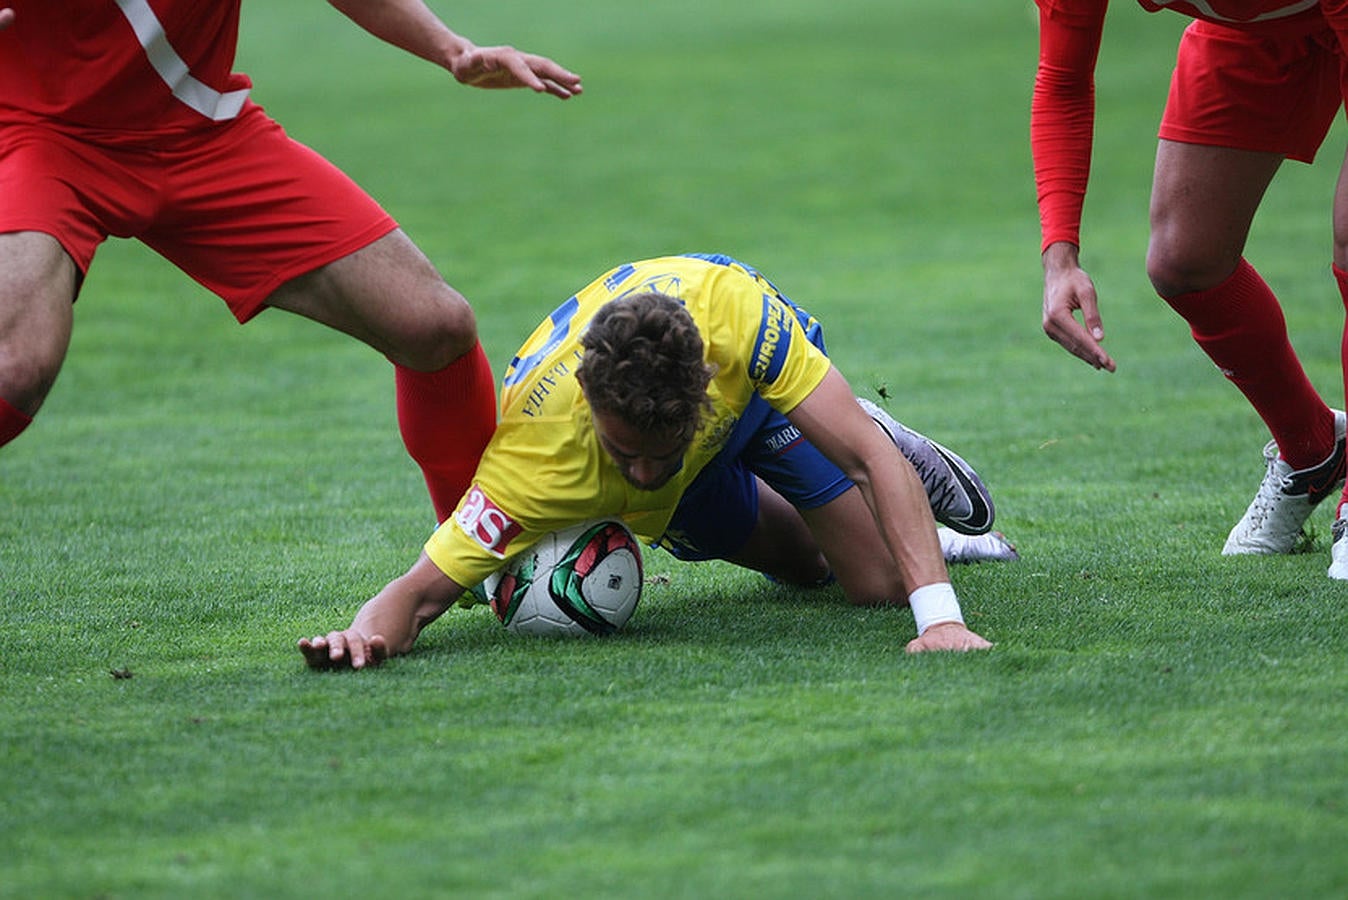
(933, 604)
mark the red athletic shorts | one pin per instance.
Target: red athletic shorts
(242, 210)
(1272, 91)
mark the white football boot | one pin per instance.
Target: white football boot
(990, 547)
(958, 497)
(1274, 520)
(1338, 553)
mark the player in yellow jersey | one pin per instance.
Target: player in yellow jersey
(690, 398)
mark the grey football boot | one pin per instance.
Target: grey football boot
(959, 499)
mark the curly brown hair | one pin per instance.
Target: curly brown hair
(643, 363)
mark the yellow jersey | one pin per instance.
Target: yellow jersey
(545, 469)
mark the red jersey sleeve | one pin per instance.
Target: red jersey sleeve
(1062, 112)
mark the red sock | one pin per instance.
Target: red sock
(1240, 326)
(11, 422)
(446, 419)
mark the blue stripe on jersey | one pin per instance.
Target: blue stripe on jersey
(767, 365)
(773, 344)
(618, 276)
(561, 318)
(720, 259)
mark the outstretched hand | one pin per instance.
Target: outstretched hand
(947, 636)
(343, 650)
(1067, 291)
(506, 67)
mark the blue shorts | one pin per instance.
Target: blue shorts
(719, 510)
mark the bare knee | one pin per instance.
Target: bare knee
(877, 586)
(31, 354)
(26, 377)
(786, 558)
(37, 290)
(445, 334)
(1202, 203)
(802, 570)
(390, 296)
(428, 324)
(1175, 269)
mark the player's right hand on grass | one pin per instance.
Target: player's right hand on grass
(343, 650)
(948, 636)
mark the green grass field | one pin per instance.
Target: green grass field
(1155, 720)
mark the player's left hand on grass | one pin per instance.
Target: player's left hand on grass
(343, 649)
(948, 636)
(506, 67)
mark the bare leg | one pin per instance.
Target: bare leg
(781, 544)
(391, 297)
(802, 547)
(1340, 570)
(854, 547)
(1203, 201)
(37, 290)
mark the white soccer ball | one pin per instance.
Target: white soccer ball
(585, 579)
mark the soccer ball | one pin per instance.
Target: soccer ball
(585, 579)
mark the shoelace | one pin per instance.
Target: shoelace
(1273, 486)
(939, 489)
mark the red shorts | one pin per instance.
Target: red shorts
(241, 210)
(1271, 91)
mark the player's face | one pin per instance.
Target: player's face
(646, 460)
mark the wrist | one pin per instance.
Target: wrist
(934, 604)
(1061, 255)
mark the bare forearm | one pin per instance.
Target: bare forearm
(831, 419)
(388, 623)
(412, 26)
(409, 25)
(392, 615)
(407, 605)
(903, 514)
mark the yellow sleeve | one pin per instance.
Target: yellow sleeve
(757, 340)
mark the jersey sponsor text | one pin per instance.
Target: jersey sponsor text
(486, 523)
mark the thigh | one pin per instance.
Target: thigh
(728, 513)
(1203, 202)
(779, 454)
(37, 290)
(846, 534)
(1240, 103)
(781, 545)
(1341, 217)
(388, 295)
